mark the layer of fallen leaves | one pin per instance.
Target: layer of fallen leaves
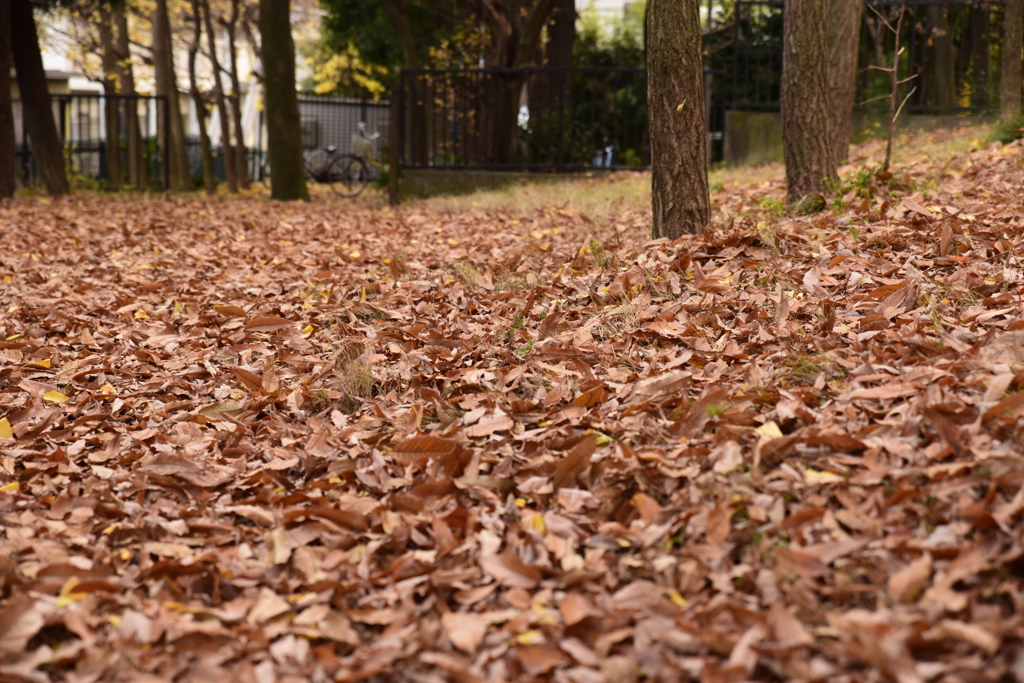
(254, 442)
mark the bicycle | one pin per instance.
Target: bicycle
(348, 174)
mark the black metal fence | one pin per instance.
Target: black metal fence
(952, 48)
(101, 134)
(557, 119)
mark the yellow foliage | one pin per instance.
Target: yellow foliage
(332, 71)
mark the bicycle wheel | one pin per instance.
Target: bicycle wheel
(349, 175)
(265, 174)
(315, 164)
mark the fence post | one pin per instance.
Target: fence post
(165, 144)
(395, 142)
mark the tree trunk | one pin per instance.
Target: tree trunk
(137, 171)
(241, 157)
(209, 179)
(418, 117)
(551, 92)
(166, 85)
(284, 129)
(1010, 86)
(561, 33)
(399, 18)
(675, 101)
(979, 56)
(8, 145)
(528, 37)
(843, 39)
(227, 149)
(944, 57)
(112, 110)
(806, 138)
(36, 108)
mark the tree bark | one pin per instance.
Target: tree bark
(111, 105)
(806, 134)
(843, 37)
(8, 145)
(284, 128)
(675, 101)
(37, 111)
(137, 171)
(529, 34)
(1010, 85)
(399, 17)
(166, 86)
(209, 179)
(979, 52)
(227, 149)
(241, 157)
(943, 56)
(561, 33)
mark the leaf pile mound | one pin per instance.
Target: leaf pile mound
(253, 442)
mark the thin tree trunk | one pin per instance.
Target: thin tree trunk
(418, 127)
(561, 33)
(218, 96)
(843, 37)
(163, 68)
(551, 92)
(137, 172)
(37, 110)
(209, 179)
(979, 56)
(8, 145)
(1010, 85)
(806, 135)
(112, 113)
(241, 157)
(529, 34)
(675, 101)
(944, 57)
(284, 129)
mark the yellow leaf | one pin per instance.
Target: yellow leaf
(41, 362)
(531, 637)
(602, 439)
(770, 430)
(108, 390)
(5, 429)
(520, 502)
(10, 488)
(54, 397)
(816, 477)
(308, 329)
(176, 607)
(141, 315)
(537, 522)
(115, 620)
(675, 597)
(354, 253)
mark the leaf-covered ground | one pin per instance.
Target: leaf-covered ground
(258, 442)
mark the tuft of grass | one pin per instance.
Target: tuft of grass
(802, 369)
(1007, 130)
(354, 379)
(467, 272)
(768, 236)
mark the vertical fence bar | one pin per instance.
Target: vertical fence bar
(394, 140)
(165, 144)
